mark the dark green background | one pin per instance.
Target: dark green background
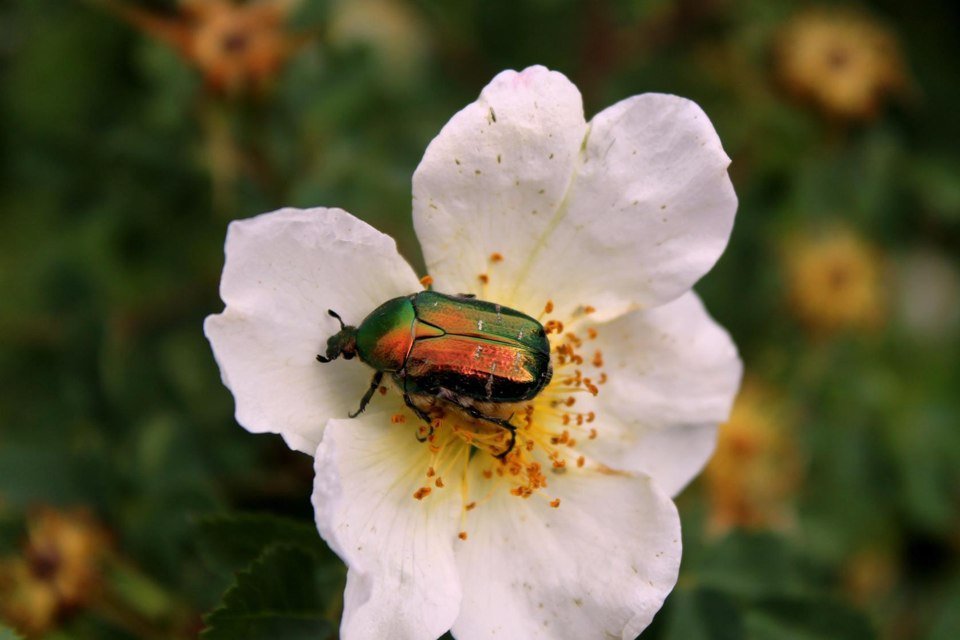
(111, 244)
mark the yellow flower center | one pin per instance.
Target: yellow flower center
(548, 430)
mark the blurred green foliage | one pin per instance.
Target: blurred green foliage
(120, 167)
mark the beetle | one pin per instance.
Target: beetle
(470, 353)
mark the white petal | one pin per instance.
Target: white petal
(402, 580)
(493, 180)
(626, 214)
(599, 566)
(650, 211)
(283, 271)
(673, 374)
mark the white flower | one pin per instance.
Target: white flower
(522, 202)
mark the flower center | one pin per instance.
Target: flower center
(547, 435)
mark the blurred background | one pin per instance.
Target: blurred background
(133, 506)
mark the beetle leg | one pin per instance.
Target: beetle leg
(423, 415)
(374, 385)
(500, 422)
(468, 296)
(475, 413)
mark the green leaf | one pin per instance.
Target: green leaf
(284, 595)
(235, 540)
(946, 622)
(752, 565)
(703, 614)
(6, 633)
(806, 619)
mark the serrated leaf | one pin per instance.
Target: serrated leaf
(284, 595)
(235, 540)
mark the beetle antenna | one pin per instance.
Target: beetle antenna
(337, 316)
(320, 358)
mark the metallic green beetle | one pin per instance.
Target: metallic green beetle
(458, 349)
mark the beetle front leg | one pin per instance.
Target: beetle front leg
(374, 385)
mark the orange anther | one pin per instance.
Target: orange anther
(383, 391)
(496, 257)
(484, 278)
(555, 503)
(439, 482)
(471, 506)
(462, 535)
(588, 309)
(398, 418)
(426, 281)
(422, 493)
(431, 472)
(580, 461)
(593, 434)
(549, 307)
(592, 333)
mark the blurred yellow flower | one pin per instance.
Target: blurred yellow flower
(59, 570)
(65, 548)
(834, 281)
(756, 468)
(237, 47)
(841, 60)
(395, 33)
(27, 602)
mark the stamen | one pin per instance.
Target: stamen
(496, 257)
(462, 535)
(547, 430)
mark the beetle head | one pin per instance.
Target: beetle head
(343, 343)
